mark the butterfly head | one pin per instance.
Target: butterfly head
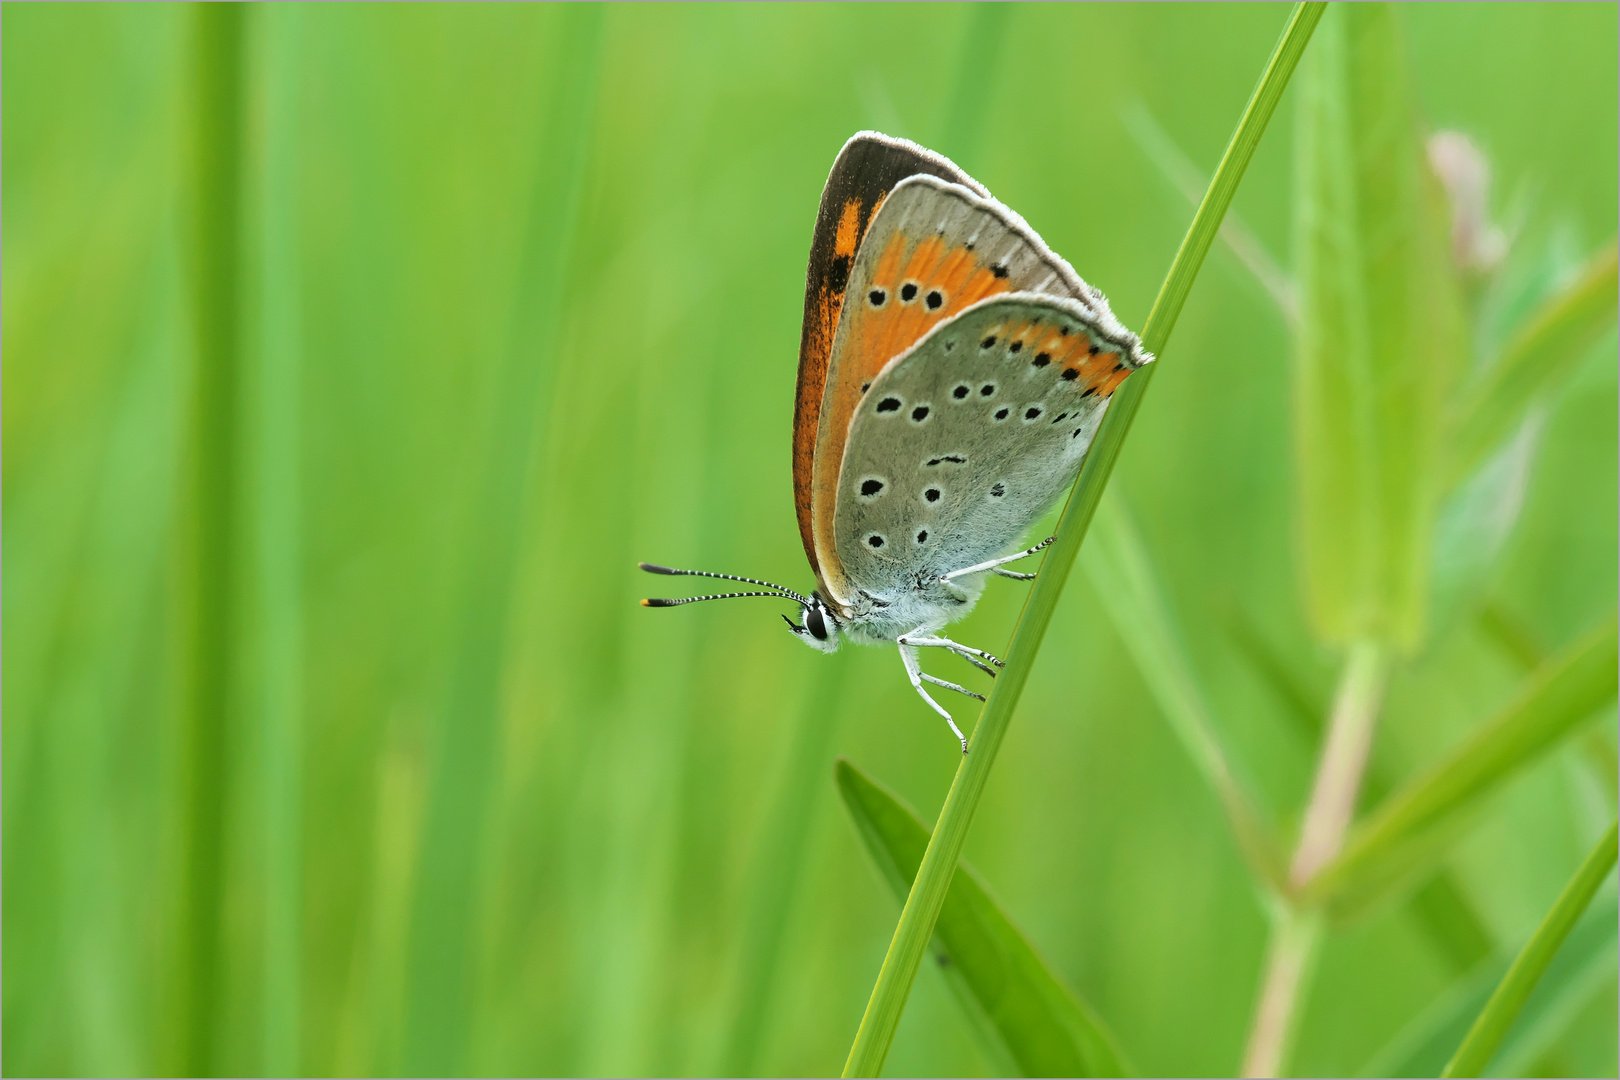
(817, 626)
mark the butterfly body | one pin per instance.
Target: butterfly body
(953, 372)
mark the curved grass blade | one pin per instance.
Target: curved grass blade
(916, 926)
(1491, 1028)
(1420, 816)
(1550, 343)
(1042, 1026)
(1424, 1046)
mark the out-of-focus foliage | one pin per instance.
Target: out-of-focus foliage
(520, 298)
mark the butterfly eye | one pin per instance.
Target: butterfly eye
(814, 623)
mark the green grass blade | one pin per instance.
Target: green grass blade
(216, 179)
(1123, 575)
(1558, 696)
(441, 980)
(1376, 292)
(278, 550)
(1491, 1028)
(911, 936)
(983, 34)
(1424, 1046)
(1044, 1026)
(776, 872)
(1551, 342)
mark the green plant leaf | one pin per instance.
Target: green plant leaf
(1516, 986)
(916, 926)
(1551, 342)
(1424, 1046)
(1044, 1028)
(1422, 817)
(1380, 335)
(1122, 573)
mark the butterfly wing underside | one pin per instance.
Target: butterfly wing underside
(962, 442)
(933, 249)
(866, 170)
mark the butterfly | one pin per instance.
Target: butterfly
(953, 371)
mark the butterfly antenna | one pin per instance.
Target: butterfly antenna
(659, 602)
(779, 591)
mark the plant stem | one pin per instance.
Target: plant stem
(215, 192)
(1295, 934)
(1344, 759)
(916, 926)
(1297, 929)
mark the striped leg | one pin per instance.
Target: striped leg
(908, 656)
(966, 652)
(994, 563)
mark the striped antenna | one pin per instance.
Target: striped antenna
(659, 602)
(779, 591)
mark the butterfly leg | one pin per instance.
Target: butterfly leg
(966, 652)
(994, 563)
(951, 686)
(908, 656)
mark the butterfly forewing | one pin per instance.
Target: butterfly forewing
(867, 169)
(960, 444)
(933, 249)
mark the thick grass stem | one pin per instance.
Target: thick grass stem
(1343, 761)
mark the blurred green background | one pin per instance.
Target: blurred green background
(517, 295)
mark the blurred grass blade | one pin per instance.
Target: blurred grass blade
(1044, 1026)
(1122, 573)
(1552, 341)
(1190, 181)
(1381, 334)
(984, 32)
(215, 236)
(1476, 521)
(278, 554)
(439, 1010)
(916, 926)
(1424, 1046)
(776, 870)
(1559, 695)
(1503, 1009)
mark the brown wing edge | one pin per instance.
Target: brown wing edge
(865, 171)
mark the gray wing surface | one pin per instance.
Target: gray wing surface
(964, 440)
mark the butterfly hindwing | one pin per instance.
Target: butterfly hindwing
(933, 249)
(866, 170)
(960, 444)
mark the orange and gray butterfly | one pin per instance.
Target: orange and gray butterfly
(933, 249)
(966, 439)
(867, 168)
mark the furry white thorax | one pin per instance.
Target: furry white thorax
(871, 620)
